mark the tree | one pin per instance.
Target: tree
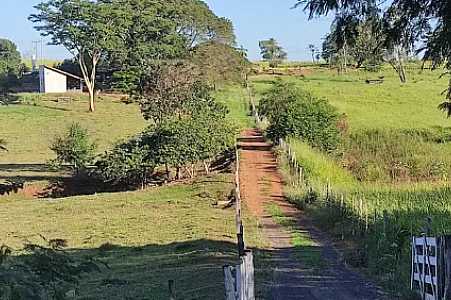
(199, 24)
(424, 23)
(11, 66)
(128, 163)
(220, 63)
(292, 111)
(272, 52)
(74, 148)
(151, 35)
(344, 34)
(312, 49)
(70, 66)
(87, 29)
(368, 49)
(184, 141)
(168, 90)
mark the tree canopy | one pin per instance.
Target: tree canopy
(293, 112)
(199, 24)
(219, 63)
(272, 52)
(87, 29)
(10, 64)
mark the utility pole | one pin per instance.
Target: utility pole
(38, 46)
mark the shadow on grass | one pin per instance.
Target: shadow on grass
(16, 178)
(142, 272)
(9, 99)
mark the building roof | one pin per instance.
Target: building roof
(64, 73)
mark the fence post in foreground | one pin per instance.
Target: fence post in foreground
(171, 285)
(241, 246)
(229, 282)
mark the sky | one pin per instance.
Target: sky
(254, 20)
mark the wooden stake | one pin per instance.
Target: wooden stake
(172, 295)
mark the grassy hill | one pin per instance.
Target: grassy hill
(387, 105)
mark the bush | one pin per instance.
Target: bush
(294, 112)
(127, 164)
(73, 148)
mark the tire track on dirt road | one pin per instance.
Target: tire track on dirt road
(261, 185)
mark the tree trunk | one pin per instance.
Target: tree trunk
(345, 55)
(207, 167)
(89, 77)
(91, 100)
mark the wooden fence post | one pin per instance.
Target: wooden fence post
(241, 246)
(246, 290)
(229, 283)
(172, 294)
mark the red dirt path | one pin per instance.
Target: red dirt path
(261, 183)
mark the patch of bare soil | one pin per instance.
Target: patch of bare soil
(261, 184)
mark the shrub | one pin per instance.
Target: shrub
(73, 148)
(292, 111)
(42, 272)
(127, 164)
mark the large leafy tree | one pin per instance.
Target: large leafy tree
(151, 36)
(426, 22)
(344, 35)
(87, 29)
(272, 52)
(198, 23)
(169, 89)
(10, 64)
(219, 63)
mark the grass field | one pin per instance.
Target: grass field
(388, 105)
(29, 127)
(148, 237)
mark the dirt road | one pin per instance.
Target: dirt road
(261, 185)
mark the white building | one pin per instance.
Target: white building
(52, 80)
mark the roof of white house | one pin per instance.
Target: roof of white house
(63, 72)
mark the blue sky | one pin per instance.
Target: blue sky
(254, 20)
